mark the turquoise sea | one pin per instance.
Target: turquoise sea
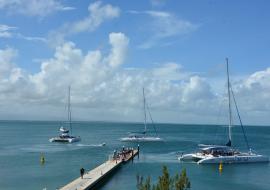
(22, 142)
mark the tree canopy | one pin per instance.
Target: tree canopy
(165, 182)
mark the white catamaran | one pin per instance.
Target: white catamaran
(64, 136)
(143, 136)
(214, 154)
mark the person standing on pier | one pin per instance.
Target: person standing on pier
(82, 172)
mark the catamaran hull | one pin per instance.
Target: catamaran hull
(234, 159)
(141, 139)
(65, 140)
(186, 157)
(190, 157)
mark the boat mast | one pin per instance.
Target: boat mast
(230, 109)
(144, 109)
(69, 111)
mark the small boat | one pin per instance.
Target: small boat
(65, 134)
(226, 154)
(103, 144)
(143, 136)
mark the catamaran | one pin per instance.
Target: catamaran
(215, 154)
(65, 135)
(143, 136)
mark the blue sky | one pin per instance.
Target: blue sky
(174, 48)
(238, 30)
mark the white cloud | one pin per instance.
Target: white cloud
(97, 81)
(12, 32)
(39, 8)
(6, 31)
(254, 91)
(165, 25)
(83, 72)
(119, 44)
(98, 13)
(6, 65)
(103, 89)
(12, 78)
(31, 38)
(170, 71)
(197, 89)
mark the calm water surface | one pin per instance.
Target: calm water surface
(21, 144)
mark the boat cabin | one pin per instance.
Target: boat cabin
(218, 151)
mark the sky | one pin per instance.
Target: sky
(108, 51)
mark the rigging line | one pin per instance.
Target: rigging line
(154, 126)
(144, 102)
(238, 114)
(218, 121)
(69, 110)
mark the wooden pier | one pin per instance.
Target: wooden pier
(95, 176)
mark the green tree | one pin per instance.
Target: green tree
(165, 182)
(182, 182)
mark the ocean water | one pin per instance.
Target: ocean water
(21, 144)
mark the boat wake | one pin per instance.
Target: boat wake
(141, 139)
(43, 148)
(57, 147)
(159, 158)
(91, 145)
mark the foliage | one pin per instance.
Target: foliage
(165, 182)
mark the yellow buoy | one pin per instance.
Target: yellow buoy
(42, 159)
(220, 167)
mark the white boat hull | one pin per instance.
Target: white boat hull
(195, 157)
(186, 157)
(141, 139)
(65, 140)
(234, 159)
